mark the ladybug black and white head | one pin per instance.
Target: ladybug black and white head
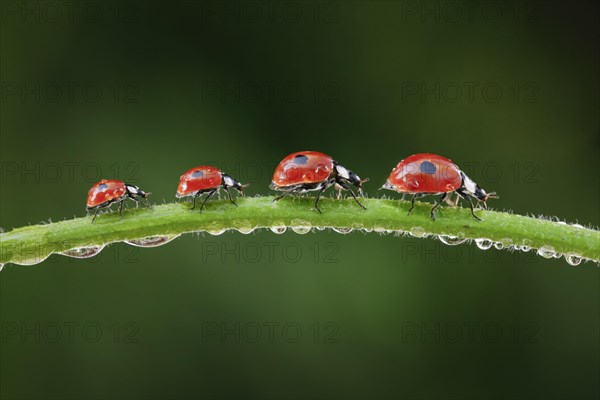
(135, 193)
(343, 175)
(228, 181)
(472, 189)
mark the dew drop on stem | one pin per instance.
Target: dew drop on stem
(83, 252)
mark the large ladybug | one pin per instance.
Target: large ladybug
(307, 171)
(108, 191)
(209, 180)
(431, 174)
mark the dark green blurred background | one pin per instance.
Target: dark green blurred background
(508, 90)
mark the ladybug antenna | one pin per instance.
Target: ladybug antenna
(242, 187)
(360, 190)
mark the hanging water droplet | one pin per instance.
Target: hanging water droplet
(321, 228)
(151, 241)
(32, 261)
(216, 232)
(83, 252)
(451, 240)
(343, 231)
(368, 230)
(417, 231)
(524, 248)
(301, 230)
(278, 229)
(498, 245)
(546, 251)
(557, 255)
(246, 231)
(573, 259)
(483, 243)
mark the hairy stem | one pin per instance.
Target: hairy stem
(33, 243)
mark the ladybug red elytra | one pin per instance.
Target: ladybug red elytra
(209, 180)
(108, 191)
(307, 171)
(431, 174)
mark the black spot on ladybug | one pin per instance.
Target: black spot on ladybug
(103, 186)
(197, 174)
(301, 159)
(427, 168)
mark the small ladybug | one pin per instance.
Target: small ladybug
(307, 171)
(108, 191)
(209, 180)
(431, 174)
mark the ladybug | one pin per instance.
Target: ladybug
(307, 171)
(431, 174)
(108, 191)
(209, 180)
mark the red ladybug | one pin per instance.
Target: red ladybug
(209, 180)
(108, 191)
(429, 174)
(310, 170)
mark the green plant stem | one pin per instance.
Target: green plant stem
(38, 241)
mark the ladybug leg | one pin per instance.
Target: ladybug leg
(436, 205)
(317, 199)
(412, 202)
(194, 200)
(353, 195)
(95, 214)
(208, 196)
(121, 207)
(473, 211)
(281, 196)
(229, 195)
(465, 197)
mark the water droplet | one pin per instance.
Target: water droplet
(561, 222)
(451, 240)
(546, 251)
(83, 252)
(278, 229)
(216, 232)
(343, 231)
(524, 248)
(32, 261)
(321, 228)
(368, 230)
(498, 245)
(246, 231)
(152, 241)
(1, 267)
(578, 226)
(483, 243)
(417, 231)
(557, 255)
(301, 230)
(573, 259)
